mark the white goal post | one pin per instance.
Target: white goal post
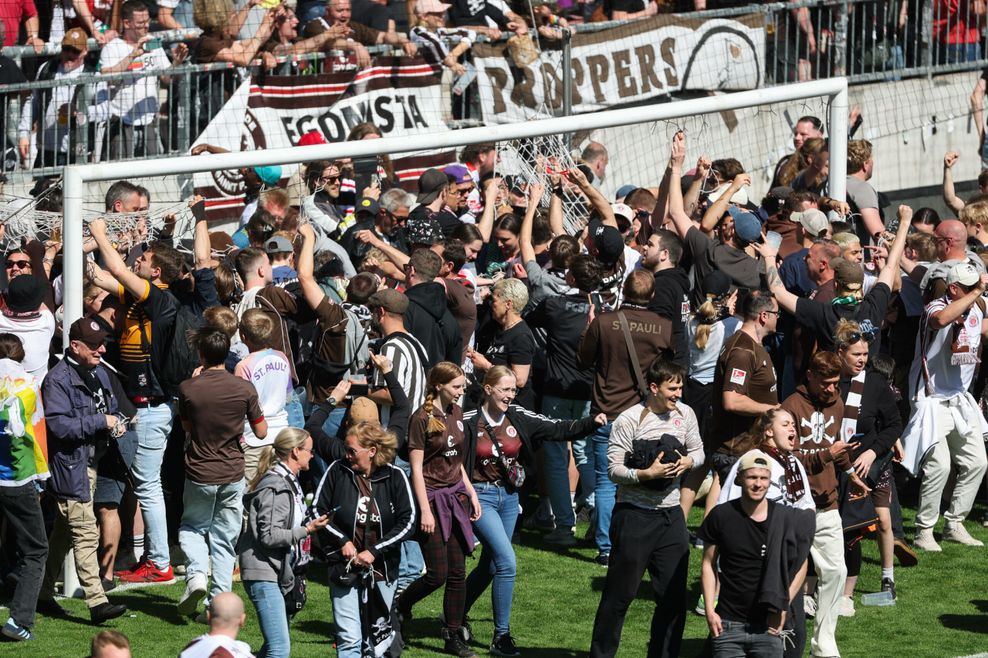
(76, 176)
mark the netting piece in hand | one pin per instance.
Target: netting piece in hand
(533, 160)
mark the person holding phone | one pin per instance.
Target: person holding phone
(374, 515)
(275, 539)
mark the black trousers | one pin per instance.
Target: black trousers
(27, 528)
(642, 539)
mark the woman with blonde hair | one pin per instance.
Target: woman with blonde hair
(446, 498)
(500, 437)
(370, 501)
(273, 549)
(815, 152)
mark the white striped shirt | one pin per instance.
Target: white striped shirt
(434, 45)
(405, 353)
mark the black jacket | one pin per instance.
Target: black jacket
(787, 544)
(671, 300)
(878, 415)
(532, 428)
(393, 495)
(428, 319)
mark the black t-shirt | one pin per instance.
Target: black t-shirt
(564, 318)
(821, 318)
(741, 549)
(371, 14)
(629, 6)
(515, 347)
(476, 12)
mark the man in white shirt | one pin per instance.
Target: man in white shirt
(134, 103)
(23, 314)
(60, 117)
(943, 369)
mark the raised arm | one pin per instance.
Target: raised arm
(525, 235)
(717, 209)
(200, 241)
(596, 199)
(890, 272)
(680, 220)
(132, 283)
(692, 197)
(977, 107)
(310, 288)
(949, 196)
(486, 223)
(786, 299)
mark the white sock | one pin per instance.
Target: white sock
(888, 572)
(138, 547)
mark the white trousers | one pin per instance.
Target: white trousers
(828, 558)
(963, 445)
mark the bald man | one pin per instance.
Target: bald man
(951, 241)
(226, 618)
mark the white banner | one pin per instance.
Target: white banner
(400, 96)
(627, 64)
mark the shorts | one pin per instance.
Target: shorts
(881, 493)
(113, 470)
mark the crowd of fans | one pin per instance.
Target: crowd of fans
(117, 119)
(385, 383)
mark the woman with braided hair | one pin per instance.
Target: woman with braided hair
(446, 498)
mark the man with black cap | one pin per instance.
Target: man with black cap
(60, 116)
(433, 194)
(81, 415)
(23, 314)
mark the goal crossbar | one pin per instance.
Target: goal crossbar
(76, 176)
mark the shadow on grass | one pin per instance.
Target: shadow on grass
(980, 605)
(154, 605)
(969, 623)
(316, 627)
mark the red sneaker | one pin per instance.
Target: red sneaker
(119, 573)
(150, 574)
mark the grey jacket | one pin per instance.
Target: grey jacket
(267, 542)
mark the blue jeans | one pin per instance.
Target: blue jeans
(604, 491)
(557, 458)
(738, 639)
(269, 603)
(497, 560)
(962, 52)
(153, 425)
(346, 615)
(412, 562)
(213, 513)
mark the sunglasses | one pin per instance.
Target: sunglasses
(329, 179)
(352, 452)
(855, 336)
(19, 264)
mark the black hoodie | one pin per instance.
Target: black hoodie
(671, 300)
(429, 320)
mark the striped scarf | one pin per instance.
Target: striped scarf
(795, 489)
(852, 405)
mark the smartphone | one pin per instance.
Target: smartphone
(152, 44)
(358, 390)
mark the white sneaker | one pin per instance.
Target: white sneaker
(956, 532)
(809, 606)
(846, 607)
(924, 540)
(195, 590)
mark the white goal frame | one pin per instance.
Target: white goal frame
(76, 176)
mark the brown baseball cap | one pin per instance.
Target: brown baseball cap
(87, 331)
(390, 300)
(848, 275)
(76, 39)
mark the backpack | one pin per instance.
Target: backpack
(178, 356)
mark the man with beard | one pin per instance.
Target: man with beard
(660, 255)
(818, 408)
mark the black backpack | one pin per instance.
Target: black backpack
(178, 356)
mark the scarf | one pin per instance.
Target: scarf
(849, 300)
(795, 488)
(852, 406)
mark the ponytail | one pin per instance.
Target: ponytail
(436, 424)
(264, 464)
(287, 440)
(705, 317)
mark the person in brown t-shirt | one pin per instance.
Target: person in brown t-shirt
(213, 405)
(332, 320)
(447, 500)
(746, 379)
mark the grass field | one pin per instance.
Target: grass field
(942, 611)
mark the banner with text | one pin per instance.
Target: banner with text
(626, 64)
(401, 96)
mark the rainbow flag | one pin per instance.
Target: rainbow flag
(23, 437)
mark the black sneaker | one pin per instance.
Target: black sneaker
(49, 608)
(106, 612)
(888, 585)
(603, 559)
(504, 645)
(454, 644)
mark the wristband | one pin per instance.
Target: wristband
(850, 471)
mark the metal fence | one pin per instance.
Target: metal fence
(866, 40)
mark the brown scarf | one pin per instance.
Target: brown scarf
(795, 489)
